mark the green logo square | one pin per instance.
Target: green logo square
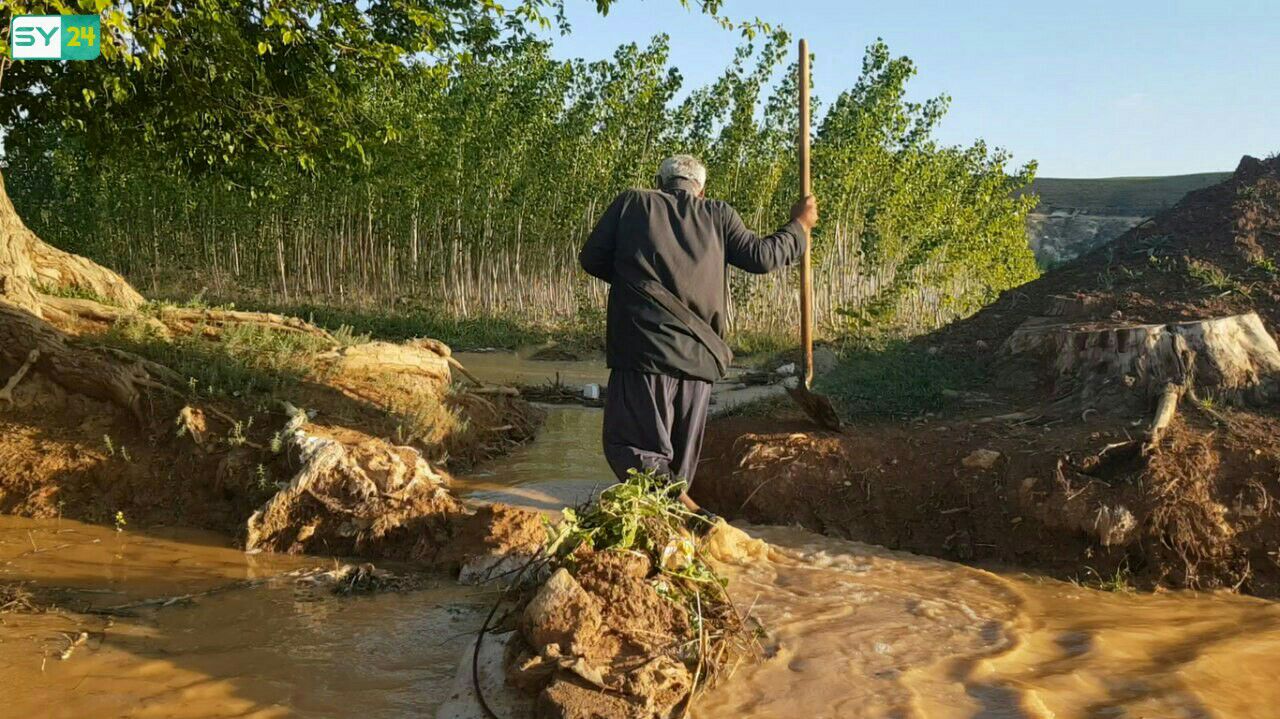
(81, 37)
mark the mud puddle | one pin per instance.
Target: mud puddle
(276, 650)
(855, 630)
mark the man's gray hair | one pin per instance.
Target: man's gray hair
(686, 167)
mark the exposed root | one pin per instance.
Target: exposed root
(1166, 408)
(366, 497)
(1186, 519)
(6, 393)
(77, 369)
(73, 643)
(69, 313)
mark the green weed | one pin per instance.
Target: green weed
(1212, 278)
(72, 292)
(643, 514)
(1120, 582)
(245, 361)
(1265, 265)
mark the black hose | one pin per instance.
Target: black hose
(484, 628)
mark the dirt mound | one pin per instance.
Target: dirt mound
(257, 425)
(1216, 252)
(1126, 431)
(603, 642)
(1074, 500)
(626, 616)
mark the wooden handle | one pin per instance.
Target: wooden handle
(806, 272)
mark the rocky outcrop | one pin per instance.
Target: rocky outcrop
(1077, 215)
(1063, 235)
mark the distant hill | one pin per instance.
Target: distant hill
(1120, 195)
(1076, 215)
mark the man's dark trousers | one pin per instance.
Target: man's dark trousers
(652, 421)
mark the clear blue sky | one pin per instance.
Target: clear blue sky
(1089, 88)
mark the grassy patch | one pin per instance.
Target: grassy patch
(245, 361)
(1212, 278)
(762, 343)
(72, 292)
(895, 379)
(1120, 582)
(459, 333)
(419, 413)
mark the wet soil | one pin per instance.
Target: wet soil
(1203, 511)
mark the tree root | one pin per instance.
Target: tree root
(6, 394)
(66, 311)
(349, 497)
(1166, 409)
(76, 368)
(192, 318)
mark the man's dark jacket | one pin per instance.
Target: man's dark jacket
(664, 255)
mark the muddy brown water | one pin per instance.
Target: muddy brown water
(854, 630)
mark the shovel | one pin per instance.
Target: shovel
(815, 405)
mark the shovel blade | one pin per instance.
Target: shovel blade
(816, 406)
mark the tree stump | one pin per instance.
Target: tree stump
(1231, 358)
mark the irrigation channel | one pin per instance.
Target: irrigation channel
(857, 631)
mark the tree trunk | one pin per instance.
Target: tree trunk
(28, 265)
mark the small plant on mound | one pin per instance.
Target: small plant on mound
(1211, 278)
(244, 361)
(642, 515)
(642, 595)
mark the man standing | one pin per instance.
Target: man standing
(664, 253)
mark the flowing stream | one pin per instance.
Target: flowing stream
(854, 630)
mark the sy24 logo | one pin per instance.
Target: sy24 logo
(55, 37)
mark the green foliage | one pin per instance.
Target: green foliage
(895, 379)
(499, 163)
(218, 82)
(1119, 582)
(72, 292)
(643, 514)
(1214, 279)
